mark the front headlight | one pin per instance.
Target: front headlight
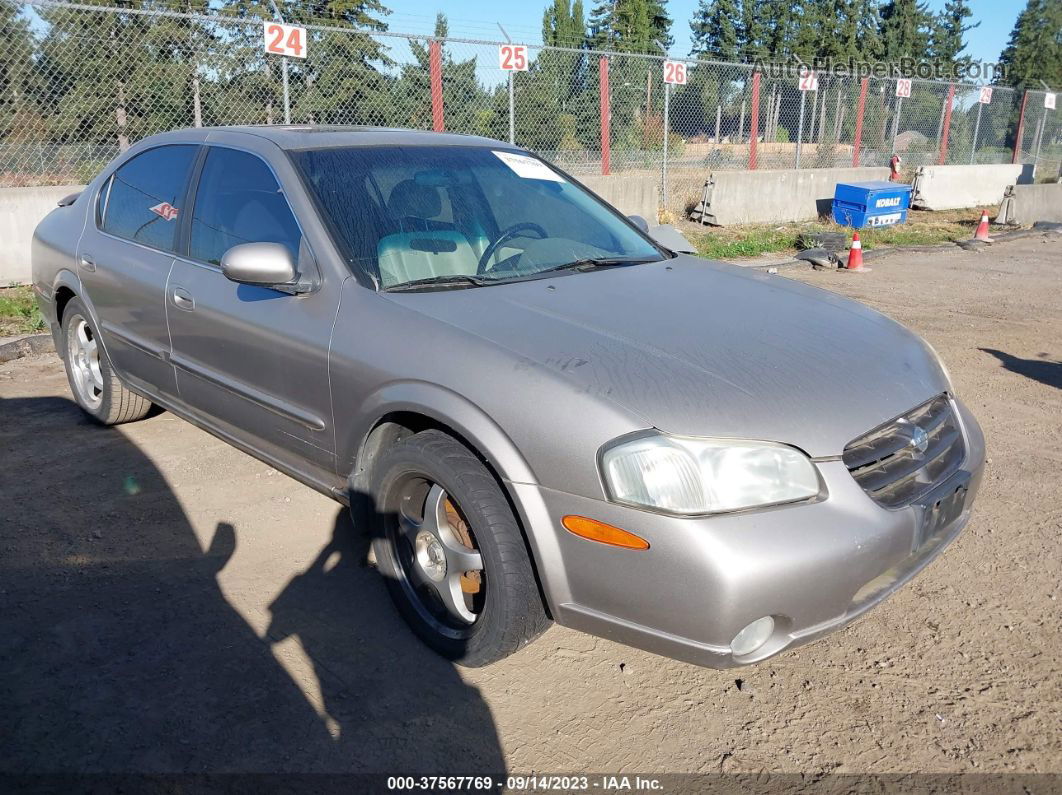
(690, 476)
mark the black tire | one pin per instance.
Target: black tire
(111, 402)
(511, 613)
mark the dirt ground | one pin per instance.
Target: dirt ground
(168, 603)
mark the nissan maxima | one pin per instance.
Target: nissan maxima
(538, 411)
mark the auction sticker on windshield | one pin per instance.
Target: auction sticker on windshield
(528, 167)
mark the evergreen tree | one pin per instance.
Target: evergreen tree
(630, 26)
(347, 86)
(750, 30)
(779, 27)
(563, 24)
(1034, 51)
(601, 25)
(112, 77)
(18, 117)
(463, 97)
(906, 27)
(949, 31)
(715, 30)
(868, 43)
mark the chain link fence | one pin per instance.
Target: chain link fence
(81, 82)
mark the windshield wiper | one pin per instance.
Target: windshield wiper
(455, 280)
(588, 263)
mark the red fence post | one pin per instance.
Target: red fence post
(606, 114)
(1021, 129)
(859, 121)
(754, 122)
(435, 66)
(945, 130)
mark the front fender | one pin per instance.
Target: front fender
(475, 426)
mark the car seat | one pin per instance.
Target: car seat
(425, 247)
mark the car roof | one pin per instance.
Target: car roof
(310, 136)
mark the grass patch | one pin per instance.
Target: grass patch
(922, 228)
(19, 313)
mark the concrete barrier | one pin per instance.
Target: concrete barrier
(21, 209)
(956, 187)
(1026, 204)
(775, 195)
(630, 195)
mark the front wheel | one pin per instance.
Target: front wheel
(452, 553)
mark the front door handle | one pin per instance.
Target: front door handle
(87, 262)
(182, 299)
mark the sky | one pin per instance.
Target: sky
(478, 19)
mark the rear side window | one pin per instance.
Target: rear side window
(239, 201)
(143, 200)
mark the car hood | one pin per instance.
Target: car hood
(707, 349)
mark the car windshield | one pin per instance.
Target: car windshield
(460, 216)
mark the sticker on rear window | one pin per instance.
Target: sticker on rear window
(528, 167)
(166, 210)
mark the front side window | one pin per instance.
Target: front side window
(239, 201)
(142, 200)
(466, 215)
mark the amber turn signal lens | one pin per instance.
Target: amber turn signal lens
(593, 530)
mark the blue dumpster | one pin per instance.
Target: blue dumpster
(863, 204)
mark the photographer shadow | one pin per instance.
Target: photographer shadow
(389, 699)
(120, 654)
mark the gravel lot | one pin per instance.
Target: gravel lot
(169, 604)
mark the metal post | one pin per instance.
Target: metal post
(800, 128)
(667, 123)
(1016, 157)
(197, 105)
(945, 133)
(287, 97)
(718, 120)
(754, 123)
(512, 112)
(512, 103)
(741, 124)
(283, 68)
(814, 112)
(977, 129)
(605, 113)
(435, 69)
(896, 122)
(1039, 140)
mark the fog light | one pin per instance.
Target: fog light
(752, 637)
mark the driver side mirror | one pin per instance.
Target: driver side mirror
(261, 264)
(639, 222)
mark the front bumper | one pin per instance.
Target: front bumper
(813, 567)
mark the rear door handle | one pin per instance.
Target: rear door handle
(87, 262)
(182, 299)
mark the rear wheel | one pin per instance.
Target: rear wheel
(95, 386)
(452, 552)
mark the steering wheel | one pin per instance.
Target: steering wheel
(509, 234)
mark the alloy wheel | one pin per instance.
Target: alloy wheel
(441, 567)
(83, 354)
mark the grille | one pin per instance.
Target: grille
(904, 459)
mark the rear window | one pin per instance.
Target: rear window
(143, 198)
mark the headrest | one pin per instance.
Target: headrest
(410, 200)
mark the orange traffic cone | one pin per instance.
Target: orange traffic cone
(982, 228)
(855, 253)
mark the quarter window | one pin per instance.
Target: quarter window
(239, 201)
(144, 197)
